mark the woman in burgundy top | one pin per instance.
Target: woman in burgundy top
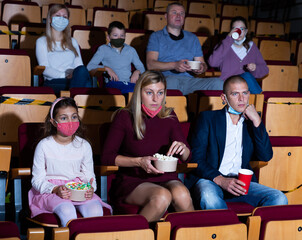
(143, 128)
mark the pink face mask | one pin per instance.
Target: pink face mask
(68, 128)
(149, 112)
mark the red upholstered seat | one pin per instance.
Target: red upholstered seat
(285, 141)
(208, 92)
(174, 92)
(25, 90)
(240, 208)
(107, 224)
(9, 230)
(278, 213)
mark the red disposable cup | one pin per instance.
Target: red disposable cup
(236, 34)
(245, 175)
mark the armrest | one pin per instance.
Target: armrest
(186, 167)
(253, 224)
(60, 233)
(258, 164)
(105, 170)
(35, 233)
(163, 230)
(20, 173)
(98, 72)
(38, 71)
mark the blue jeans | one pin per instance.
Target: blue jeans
(210, 196)
(187, 84)
(80, 78)
(125, 87)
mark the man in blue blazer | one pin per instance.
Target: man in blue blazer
(225, 141)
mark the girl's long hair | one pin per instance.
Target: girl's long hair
(66, 42)
(135, 104)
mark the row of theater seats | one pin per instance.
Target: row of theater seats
(23, 109)
(266, 223)
(17, 67)
(201, 17)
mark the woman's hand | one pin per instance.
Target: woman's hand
(251, 67)
(62, 191)
(89, 192)
(113, 76)
(145, 163)
(177, 148)
(69, 73)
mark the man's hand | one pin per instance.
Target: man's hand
(251, 114)
(135, 76)
(203, 68)
(112, 74)
(232, 185)
(182, 66)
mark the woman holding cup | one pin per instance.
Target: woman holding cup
(146, 127)
(238, 55)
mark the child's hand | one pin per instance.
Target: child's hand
(112, 74)
(62, 192)
(89, 193)
(135, 76)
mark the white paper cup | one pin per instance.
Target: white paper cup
(195, 65)
(76, 195)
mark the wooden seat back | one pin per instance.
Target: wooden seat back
(4, 38)
(16, 13)
(15, 70)
(269, 28)
(102, 17)
(275, 50)
(204, 8)
(154, 21)
(104, 106)
(12, 115)
(77, 16)
(283, 116)
(281, 78)
(230, 10)
(200, 24)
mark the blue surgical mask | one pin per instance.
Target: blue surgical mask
(230, 109)
(239, 42)
(59, 23)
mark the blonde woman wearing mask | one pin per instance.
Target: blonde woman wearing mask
(60, 53)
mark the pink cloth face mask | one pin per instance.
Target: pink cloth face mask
(68, 128)
(149, 112)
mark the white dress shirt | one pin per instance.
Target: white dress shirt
(232, 157)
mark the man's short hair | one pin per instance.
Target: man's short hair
(232, 79)
(115, 24)
(172, 4)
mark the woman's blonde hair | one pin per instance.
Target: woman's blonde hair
(66, 41)
(135, 104)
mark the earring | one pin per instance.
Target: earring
(223, 102)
